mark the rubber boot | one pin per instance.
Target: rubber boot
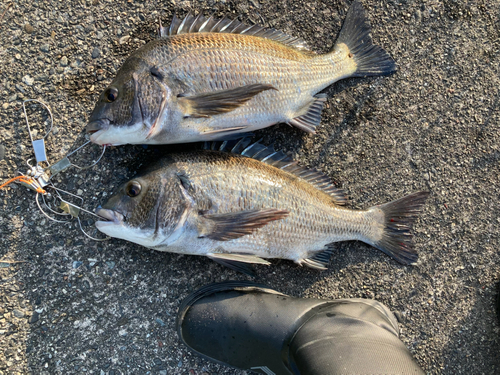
(252, 327)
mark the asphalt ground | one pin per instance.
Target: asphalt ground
(70, 305)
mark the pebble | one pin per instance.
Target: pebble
(2, 152)
(34, 318)
(18, 313)
(110, 264)
(124, 39)
(77, 264)
(13, 98)
(92, 262)
(44, 48)
(96, 53)
(160, 322)
(418, 16)
(28, 80)
(122, 321)
(38, 250)
(163, 372)
(41, 78)
(28, 28)
(157, 361)
(5, 105)
(20, 88)
(79, 192)
(64, 61)
(89, 28)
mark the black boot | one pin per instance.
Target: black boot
(252, 327)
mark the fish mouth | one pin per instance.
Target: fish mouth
(96, 125)
(112, 217)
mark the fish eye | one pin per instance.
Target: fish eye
(133, 189)
(111, 94)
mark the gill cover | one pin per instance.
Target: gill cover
(128, 109)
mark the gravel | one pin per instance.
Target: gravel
(96, 53)
(432, 125)
(64, 61)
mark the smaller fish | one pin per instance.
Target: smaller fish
(252, 203)
(208, 79)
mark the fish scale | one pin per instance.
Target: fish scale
(212, 83)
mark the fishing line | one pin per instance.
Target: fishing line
(38, 178)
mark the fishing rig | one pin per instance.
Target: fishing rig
(40, 174)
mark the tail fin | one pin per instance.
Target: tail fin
(371, 60)
(399, 216)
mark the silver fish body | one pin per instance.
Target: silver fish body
(239, 209)
(209, 79)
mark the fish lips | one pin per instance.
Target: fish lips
(97, 126)
(112, 217)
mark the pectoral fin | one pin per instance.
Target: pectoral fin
(225, 130)
(225, 227)
(217, 102)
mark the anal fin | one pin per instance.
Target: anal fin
(319, 261)
(309, 121)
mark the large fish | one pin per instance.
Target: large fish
(207, 79)
(244, 206)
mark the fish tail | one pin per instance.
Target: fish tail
(397, 218)
(355, 40)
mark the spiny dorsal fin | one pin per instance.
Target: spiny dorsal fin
(278, 159)
(202, 24)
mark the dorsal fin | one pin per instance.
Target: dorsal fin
(202, 24)
(278, 159)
